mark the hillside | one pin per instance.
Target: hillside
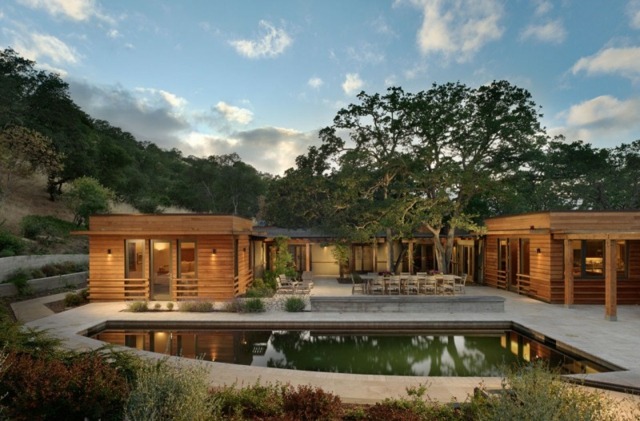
(29, 197)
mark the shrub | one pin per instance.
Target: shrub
(534, 392)
(10, 245)
(166, 392)
(310, 403)
(45, 228)
(138, 306)
(72, 299)
(250, 402)
(259, 290)
(169, 306)
(157, 306)
(78, 387)
(270, 279)
(234, 306)
(294, 304)
(253, 305)
(196, 306)
(19, 279)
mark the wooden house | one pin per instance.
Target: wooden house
(566, 257)
(170, 257)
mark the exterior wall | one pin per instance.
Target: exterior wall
(546, 231)
(215, 278)
(322, 261)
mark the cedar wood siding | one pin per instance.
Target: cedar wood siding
(547, 268)
(215, 273)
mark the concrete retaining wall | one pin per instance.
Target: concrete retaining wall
(408, 304)
(8, 265)
(45, 284)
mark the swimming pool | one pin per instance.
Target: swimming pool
(476, 352)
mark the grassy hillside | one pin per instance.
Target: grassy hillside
(29, 197)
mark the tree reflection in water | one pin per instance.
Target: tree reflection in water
(416, 355)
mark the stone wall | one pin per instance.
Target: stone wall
(8, 265)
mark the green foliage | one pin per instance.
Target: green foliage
(19, 279)
(87, 196)
(270, 279)
(138, 306)
(17, 338)
(75, 299)
(78, 386)
(284, 260)
(196, 306)
(169, 392)
(253, 305)
(535, 393)
(341, 251)
(294, 304)
(255, 401)
(157, 306)
(259, 289)
(169, 306)
(10, 245)
(45, 228)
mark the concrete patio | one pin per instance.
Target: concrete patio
(580, 327)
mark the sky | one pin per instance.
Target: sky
(261, 78)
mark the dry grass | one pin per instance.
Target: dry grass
(30, 197)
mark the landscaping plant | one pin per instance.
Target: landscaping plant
(196, 306)
(294, 304)
(138, 306)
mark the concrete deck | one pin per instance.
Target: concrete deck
(580, 327)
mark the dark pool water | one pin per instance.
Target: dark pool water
(413, 354)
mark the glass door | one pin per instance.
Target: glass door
(160, 273)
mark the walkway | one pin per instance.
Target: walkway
(580, 327)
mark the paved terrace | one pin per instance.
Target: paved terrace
(581, 327)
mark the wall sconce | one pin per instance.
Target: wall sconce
(214, 251)
(109, 252)
(244, 249)
(532, 227)
(538, 250)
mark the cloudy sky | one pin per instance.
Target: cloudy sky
(260, 78)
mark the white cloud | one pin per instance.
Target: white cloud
(543, 7)
(271, 44)
(315, 82)
(234, 114)
(113, 33)
(458, 28)
(604, 120)
(36, 46)
(79, 10)
(633, 10)
(365, 53)
(551, 32)
(623, 61)
(380, 26)
(352, 83)
(391, 80)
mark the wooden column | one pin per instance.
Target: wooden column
(610, 282)
(410, 257)
(568, 273)
(307, 258)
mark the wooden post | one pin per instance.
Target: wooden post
(568, 274)
(307, 257)
(610, 282)
(410, 257)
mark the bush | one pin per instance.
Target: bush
(196, 306)
(10, 245)
(45, 228)
(166, 392)
(138, 306)
(253, 305)
(74, 299)
(19, 279)
(259, 290)
(250, 402)
(78, 387)
(169, 306)
(310, 403)
(157, 306)
(535, 393)
(294, 304)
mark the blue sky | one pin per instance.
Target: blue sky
(260, 78)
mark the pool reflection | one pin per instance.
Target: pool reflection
(414, 354)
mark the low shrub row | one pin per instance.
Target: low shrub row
(238, 305)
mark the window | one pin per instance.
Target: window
(503, 250)
(525, 256)
(187, 268)
(589, 259)
(134, 259)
